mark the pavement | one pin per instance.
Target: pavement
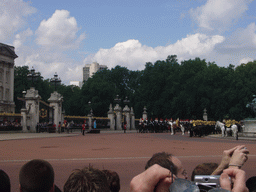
(19, 135)
(14, 135)
(240, 137)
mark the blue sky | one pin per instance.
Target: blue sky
(62, 36)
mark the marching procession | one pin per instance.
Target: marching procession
(192, 127)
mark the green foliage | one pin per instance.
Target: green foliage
(168, 89)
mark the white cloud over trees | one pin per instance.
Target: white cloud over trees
(133, 55)
(13, 15)
(60, 31)
(219, 15)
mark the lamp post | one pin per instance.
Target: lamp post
(24, 101)
(90, 115)
(32, 76)
(55, 81)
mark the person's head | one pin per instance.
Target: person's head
(181, 172)
(251, 184)
(168, 161)
(5, 185)
(87, 179)
(113, 180)
(204, 169)
(36, 176)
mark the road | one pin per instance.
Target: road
(124, 153)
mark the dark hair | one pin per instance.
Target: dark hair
(36, 176)
(113, 180)
(251, 184)
(164, 160)
(5, 185)
(204, 169)
(87, 179)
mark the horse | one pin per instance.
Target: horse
(234, 129)
(182, 129)
(221, 126)
(171, 126)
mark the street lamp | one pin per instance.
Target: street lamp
(32, 76)
(24, 101)
(91, 112)
(117, 99)
(55, 80)
(126, 101)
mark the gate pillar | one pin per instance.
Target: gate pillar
(118, 111)
(55, 101)
(111, 116)
(24, 120)
(126, 111)
(132, 119)
(145, 114)
(31, 116)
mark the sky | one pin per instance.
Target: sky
(62, 36)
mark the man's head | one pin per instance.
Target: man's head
(204, 169)
(168, 161)
(5, 185)
(87, 179)
(113, 180)
(36, 176)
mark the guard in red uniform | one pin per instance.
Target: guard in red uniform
(83, 126)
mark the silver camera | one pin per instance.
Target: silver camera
(212, 181)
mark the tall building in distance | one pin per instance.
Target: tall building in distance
(7, 56)
(90, 69)
(76, 83)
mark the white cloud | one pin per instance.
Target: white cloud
(219, 15)
(245, 60)
(133, 55)
(59, 31)
(13, 15)
(21, 38)
(242, 42)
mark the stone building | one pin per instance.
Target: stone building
(90, 69)
(7, 56)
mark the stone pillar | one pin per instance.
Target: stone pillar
(55, 101)
(111, 116)
(90, 115)
(24, 120)
(12, 90)
(145, 114)
(249, 128)
(205, 118)
(118, 111)
(126, 111)
(32, 106)
(132, 115)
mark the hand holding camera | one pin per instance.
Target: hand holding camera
(235, 177)
(239, 157)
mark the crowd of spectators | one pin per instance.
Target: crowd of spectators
(9, 125)
(163, 172)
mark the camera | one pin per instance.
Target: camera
(207, 181)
